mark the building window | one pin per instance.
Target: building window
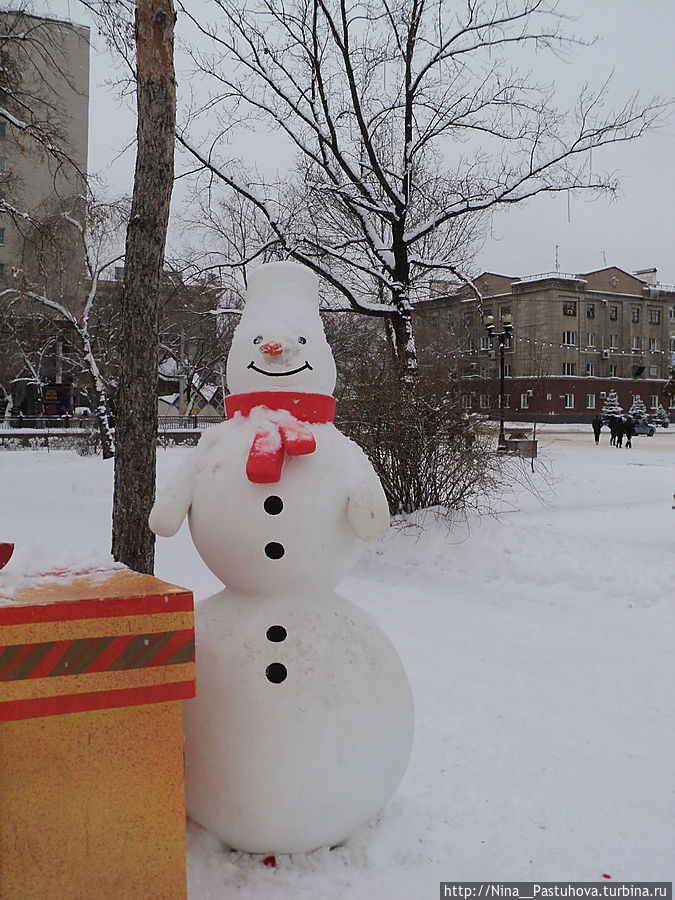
(524, 401)
(504, 311)
(635, 343)
(613, 371)
(466, 401)
(614, 342)
(635, 314)
(433, 320)
(590, 310)
(570, 308)
(3, 129)
(507, 401)
(2, 273)
(653, 345)
(548, 396)
(590, 401)
(590, 339)
(484, 401)
(2, 236)
(654, 401)
(672, 312)
(569, 368)
(507, 370)
(569, 401)
(507, 342)
(654, 316)
(672, 345)
(614, 312)
(3, 165)
(485, 342)
(653, 371)
(590, 369)
(469, 344)
(569, 338)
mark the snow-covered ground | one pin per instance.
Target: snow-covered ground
(539, 645)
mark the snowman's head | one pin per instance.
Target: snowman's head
(279, 343)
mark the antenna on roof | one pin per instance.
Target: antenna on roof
(557, 261)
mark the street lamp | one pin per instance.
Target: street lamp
(502, 336)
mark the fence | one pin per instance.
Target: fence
(88, 423)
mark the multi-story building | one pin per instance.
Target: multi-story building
(575, 338)
(44, 124)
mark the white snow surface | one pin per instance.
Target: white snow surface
(539, 646)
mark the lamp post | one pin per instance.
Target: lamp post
(502, 336)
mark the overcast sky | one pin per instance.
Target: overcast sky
(634, 232)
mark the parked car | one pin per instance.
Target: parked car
(644, 428)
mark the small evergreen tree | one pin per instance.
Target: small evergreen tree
(611, 407)
(661, 417)
(638, 410)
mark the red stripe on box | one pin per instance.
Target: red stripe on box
(112, 652)
(14, 710)
(177, 642)
(51, 659)
(107, 607)
(15, 659)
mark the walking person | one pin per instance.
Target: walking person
(612, 430)
(597, 427)
(629, 430)
(619, 431)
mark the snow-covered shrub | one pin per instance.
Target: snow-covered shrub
(426, 450)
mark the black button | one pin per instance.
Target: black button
(273, 505)
(276, 633)
(274, 550)
(276, 673)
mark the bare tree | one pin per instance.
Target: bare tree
(37, 291)
(132, 541)
(410, 124)
(194, 336)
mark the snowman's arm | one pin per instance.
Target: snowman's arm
(172, 505)
(367, 507)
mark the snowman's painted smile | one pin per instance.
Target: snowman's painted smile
(253, 366)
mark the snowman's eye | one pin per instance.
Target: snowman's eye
(258, 340)
(302, 340)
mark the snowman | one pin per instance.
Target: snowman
(302, 725)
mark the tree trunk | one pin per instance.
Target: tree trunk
(136, 415)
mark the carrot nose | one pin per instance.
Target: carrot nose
(274, 349)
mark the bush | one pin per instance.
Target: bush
(425, 449)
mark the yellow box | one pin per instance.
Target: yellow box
(92, 671)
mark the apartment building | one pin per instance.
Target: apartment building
(574, 339)
(44, 125)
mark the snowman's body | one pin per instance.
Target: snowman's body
(302, 725)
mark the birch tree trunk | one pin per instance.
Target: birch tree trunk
(136, 416)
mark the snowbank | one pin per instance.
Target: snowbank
(539, 648)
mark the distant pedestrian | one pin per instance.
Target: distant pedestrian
(612, 430)
(629, 430)
(619, 431)
(597, 428)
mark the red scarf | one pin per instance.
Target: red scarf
(266, 456)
